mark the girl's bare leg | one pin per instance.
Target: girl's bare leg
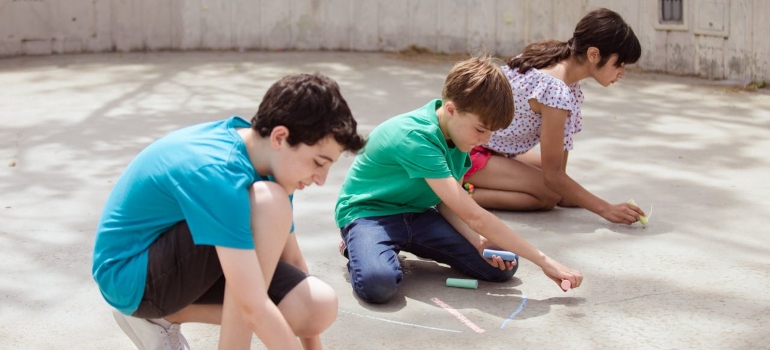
(513, 184)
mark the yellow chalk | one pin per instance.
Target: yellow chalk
(642, 218)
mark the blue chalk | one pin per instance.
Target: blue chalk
(505, 255)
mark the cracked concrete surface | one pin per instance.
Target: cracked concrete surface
(693, 150)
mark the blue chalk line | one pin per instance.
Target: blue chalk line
(401, 323)
(521, 307)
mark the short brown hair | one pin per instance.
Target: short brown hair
(311, 107)
(478, 86)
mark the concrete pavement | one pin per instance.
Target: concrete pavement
(694, 151)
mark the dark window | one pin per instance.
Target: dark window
(671, 11)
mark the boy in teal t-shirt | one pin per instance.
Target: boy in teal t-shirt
(197, 228)
(403, 190)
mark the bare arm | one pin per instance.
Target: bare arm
(489, 226)
(249, 272)
(554, 164)
(564, 202)
(478, 241)
(248, 290)
(293, 255)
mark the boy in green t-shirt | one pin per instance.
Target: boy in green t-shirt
(403, 190)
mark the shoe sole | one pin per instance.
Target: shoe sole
(123, 323)
(343, 248)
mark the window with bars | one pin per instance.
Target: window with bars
(671, 11)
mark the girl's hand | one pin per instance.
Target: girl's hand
(558, 272)
(623, 213)
(495, 261)
(564, 203)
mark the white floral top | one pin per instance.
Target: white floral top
(524, 132)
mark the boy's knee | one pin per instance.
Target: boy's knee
(319, 309)
(503, 275)
(377, 288)
(321, 316)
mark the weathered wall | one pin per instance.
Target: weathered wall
(721, 39)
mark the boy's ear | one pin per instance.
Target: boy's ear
(450, 107)
(278, 136)
(594, 56)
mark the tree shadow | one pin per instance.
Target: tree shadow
(74, 122)
(71, 123)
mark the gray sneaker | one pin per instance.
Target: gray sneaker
(148, 335)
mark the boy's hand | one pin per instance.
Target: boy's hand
(501, 264)
(558, 272)
(495, 261)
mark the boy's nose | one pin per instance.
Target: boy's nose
(320, 178)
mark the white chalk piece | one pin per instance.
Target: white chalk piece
(503, 254)
(642, 218)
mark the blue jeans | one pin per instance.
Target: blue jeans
(373, 245)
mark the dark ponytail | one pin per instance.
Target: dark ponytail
(541, 54)
(601, 28)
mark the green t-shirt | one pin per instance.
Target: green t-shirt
(388, 175)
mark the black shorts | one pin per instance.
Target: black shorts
(180, 273)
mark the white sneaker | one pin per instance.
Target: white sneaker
(148, 335)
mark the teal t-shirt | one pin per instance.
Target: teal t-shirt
(200, 174)
(388, 175)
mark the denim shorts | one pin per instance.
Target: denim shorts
(181, 273)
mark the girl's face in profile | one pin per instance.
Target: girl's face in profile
(609, 73)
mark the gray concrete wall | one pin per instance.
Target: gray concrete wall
(720, 39)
